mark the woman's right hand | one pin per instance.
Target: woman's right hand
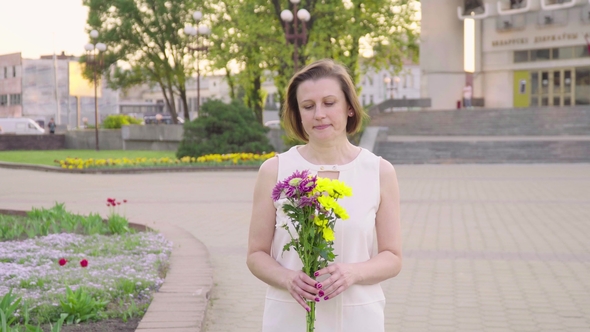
(302, 288)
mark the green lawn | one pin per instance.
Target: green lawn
(48, 157)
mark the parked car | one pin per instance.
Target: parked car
(20, 126)
(160, 118)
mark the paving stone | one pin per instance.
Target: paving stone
(502, 235)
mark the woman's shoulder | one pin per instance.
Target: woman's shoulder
(269, 166)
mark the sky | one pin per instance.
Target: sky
(38, 27)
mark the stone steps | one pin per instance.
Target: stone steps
(488, 136)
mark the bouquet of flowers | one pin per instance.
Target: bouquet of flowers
(310, 204)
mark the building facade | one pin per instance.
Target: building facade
(29, 88)
(527, 52)
(378, 86)
(144, 100)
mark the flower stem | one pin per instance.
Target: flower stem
(311, 317)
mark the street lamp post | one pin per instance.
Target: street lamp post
(295, 37)
(386, 82)
(390, 85)
(200, 30)
(94, 58)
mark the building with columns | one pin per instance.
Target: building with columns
(526, 52)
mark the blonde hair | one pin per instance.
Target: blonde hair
(325, 68)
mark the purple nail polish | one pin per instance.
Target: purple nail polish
(307, 309)
(316, 274)
(317, 299)
(318, 285)
(321, 293)
(326, 298)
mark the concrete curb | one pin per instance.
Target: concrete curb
(44, 168)
(180, 305)
(370, 137)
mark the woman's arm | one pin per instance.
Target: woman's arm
(262, 228)
(388, 262)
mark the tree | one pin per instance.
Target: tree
(251, 34)
(342, 30)
(242, 36)
(145, 35)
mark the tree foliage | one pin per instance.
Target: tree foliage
(117, 121)
(244, 35)
(223, 128)
(144, 37)
(252, 35)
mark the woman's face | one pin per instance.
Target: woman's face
(323, 108)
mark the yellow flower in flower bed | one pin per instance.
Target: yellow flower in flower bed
(233, 158)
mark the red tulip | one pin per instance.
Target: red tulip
(118, 203)
(124, 201)
(62, 261)
(84, 263)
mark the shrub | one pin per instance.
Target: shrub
(223, 128)
(116, 121)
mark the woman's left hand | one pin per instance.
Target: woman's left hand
(341, 277)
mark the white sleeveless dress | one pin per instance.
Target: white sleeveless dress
(360, 307)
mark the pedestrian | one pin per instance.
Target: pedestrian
(322, 109)
(467, 95)
(51, 126)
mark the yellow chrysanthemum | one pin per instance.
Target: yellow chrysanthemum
(326, 202)
(324, 186)
(320, 222)
(340, 212)
(328, 234)
(341, 189)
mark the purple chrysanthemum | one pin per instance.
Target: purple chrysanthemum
(306, 201)
(278, 190)
(307, 184)
(294, 185)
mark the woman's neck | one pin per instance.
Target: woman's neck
(329, 153)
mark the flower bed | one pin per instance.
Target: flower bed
(71, 277)
(207, 160)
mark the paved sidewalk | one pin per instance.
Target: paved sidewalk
(486, 247)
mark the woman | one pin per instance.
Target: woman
(321, 109)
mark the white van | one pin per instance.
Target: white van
(20, 126)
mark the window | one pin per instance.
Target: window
(5, 72)
(563, 53)
(555, 2)
(473, 7)
(13, 71)
(521, 56)
(364, 100)
(546, 54)
(3, 100)
(541, 55)
(15, 99)
(583, 86)
(515, 4)
(580, 51)
(371, 99)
